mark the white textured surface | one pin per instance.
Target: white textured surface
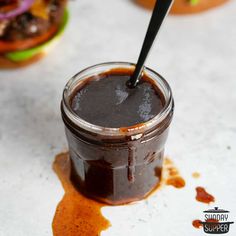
(196, 54)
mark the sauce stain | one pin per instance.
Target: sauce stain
(203, 196)
(195, 175)
(75, 215)
(169, 176)
(197, 224)
(173, 177)
(168, 161)
(177, 182)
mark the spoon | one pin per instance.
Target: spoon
(159, 13)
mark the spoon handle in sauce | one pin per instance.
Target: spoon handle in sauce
(159, 13)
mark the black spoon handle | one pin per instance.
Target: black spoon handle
(159, 13)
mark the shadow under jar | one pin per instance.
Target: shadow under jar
(116, 165)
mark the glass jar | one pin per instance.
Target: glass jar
(116, 165)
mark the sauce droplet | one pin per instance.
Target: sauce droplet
(203, 196)
(173, 171)
(195, 175)
(197, 224)
(168, 161)
(177, 182)
(75, 214)
(173, 177)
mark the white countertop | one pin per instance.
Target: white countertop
(196, 54)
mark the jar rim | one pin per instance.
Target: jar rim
(134, 130)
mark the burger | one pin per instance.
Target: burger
(185, 6)
(28, 28)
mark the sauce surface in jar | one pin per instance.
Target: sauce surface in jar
(105, 100)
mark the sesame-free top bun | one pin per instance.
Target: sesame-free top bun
(185, 6)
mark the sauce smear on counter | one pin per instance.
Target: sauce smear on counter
(173, 177)
(75, 215)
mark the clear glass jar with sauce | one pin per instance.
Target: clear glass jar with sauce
(116, 165)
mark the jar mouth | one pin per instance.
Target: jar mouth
(137, 129)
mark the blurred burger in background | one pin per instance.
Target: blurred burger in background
(185, 6)
(28, 28)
